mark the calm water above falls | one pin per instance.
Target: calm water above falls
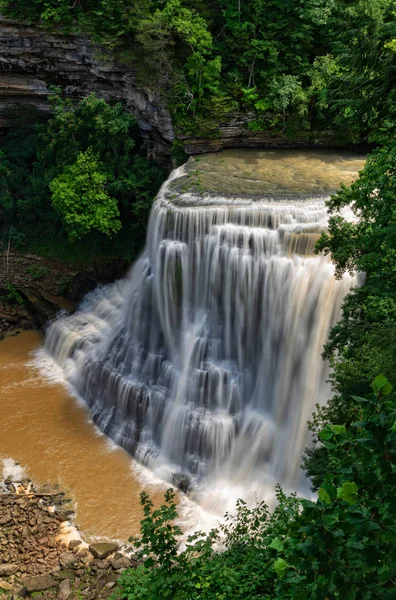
(205, 362)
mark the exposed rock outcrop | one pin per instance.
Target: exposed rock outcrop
(33, 289)
(32, 59)
(235, 133)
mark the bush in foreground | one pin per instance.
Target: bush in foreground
(340, 546)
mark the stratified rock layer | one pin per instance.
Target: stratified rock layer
(32, 59)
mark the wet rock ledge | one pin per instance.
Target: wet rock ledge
(39, 558)
(33, 289)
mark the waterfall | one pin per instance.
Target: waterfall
(205, 363)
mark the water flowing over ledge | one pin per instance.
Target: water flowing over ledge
(205, 363)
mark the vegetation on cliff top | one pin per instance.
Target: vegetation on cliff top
(291, 68)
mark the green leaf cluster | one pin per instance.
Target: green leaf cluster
(80, 196)
(69, 184)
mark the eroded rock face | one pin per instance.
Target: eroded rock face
(235, 133)
(47, 286)
(32, 59)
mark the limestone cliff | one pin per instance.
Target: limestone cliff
(32, 59)
(33, 288)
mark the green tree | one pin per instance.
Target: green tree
(363, 343)
(80, 196)
(362, 93)
(35, 153)
(336, 57)
(364, 339)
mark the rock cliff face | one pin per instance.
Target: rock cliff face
(32, 59)
(236, 134)
(33, 289)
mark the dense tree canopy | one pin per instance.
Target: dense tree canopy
(291, 67)
(364, 341)
(80, 175)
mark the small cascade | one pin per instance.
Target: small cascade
(205, 363)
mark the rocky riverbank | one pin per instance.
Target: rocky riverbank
(33, 289)
(42, 553)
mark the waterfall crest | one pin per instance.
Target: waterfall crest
(205, 363)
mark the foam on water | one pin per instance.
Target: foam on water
(12, 469)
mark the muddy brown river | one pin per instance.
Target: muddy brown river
(49, 433)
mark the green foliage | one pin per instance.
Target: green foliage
(369, 243)
(13, 296)
(64, 285)
(340, 546)
(158, 532)
(363, 343)
(361, 91)
(65, 185)
(320, 64)
(38, 271)
(80, 196)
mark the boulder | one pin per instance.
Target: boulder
(74, 543)
(103, 550)
(64, 590)
(120, 563)
(39, 583)
(8, 569)
(110, 585)
(4, 585)
(65, 574)
(5, 519)
(67, 558)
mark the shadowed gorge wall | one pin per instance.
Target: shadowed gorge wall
(32, 59)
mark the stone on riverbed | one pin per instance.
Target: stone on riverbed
(4, 585)
(37, 584)
(8, 569)
(65, 574)
(120, 563)
(103, 550)
(67, 558)
(64, 590)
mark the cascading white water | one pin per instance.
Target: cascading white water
(205, 364)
